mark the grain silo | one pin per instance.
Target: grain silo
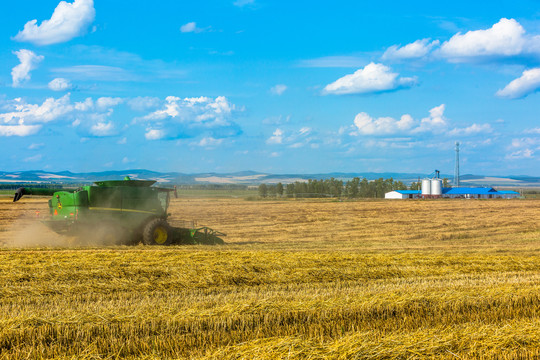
(436, 188)
(426, 188)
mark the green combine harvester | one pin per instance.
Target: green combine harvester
(124, 211)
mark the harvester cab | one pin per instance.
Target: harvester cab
(125, 211)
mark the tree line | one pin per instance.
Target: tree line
(354, 188)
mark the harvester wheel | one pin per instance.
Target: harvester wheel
(157, 232)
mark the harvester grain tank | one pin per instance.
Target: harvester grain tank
(127, 210)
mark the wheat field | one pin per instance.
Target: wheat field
(310, 279)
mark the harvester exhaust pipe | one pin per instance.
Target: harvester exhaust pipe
(18, 194)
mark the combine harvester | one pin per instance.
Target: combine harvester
(121, 211)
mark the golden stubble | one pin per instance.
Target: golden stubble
(296, 279)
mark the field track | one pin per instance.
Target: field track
(297, 279)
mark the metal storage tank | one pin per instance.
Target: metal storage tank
(436, 187)
(426, 187)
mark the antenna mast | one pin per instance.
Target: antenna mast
(456, 169)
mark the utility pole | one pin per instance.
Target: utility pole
(456, 169)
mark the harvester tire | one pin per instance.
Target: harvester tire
(157, 232)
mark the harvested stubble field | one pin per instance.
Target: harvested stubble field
(297, 279)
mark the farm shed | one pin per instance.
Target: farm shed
(478, 193)
(453, 193)
(402, 194)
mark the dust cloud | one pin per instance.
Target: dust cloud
(28, 231)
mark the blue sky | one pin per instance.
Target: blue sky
(271, 86)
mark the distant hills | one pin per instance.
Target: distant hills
(243, 177)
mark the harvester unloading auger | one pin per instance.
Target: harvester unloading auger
(126, 211)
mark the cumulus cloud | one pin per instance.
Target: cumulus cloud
(503, 39)
(50, 110)
(29, 61)
(523, 148)
(278, 89)
(472, 130)
(19, 130)
(88, 116)
(202, 110)
(372, 78)
(60, 84)
(364, 124)
(154, 134)
(186, 117)
(276, 138)
(102, 129)
(68, 20)
(528, 83)
(191, 27)
(435, 122)
(417, 49)
(108, 102)
(209, 142)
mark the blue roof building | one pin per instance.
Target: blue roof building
(460, 192)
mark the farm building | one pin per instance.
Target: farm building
(460, 192)
(478, 193)
(402, 194)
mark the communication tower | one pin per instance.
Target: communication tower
(456, 169)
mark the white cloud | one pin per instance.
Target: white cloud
(276, 138)
(520, 154)
(29, 61)
(85, 105)
(503, 39)
(19, 130)
(108, 102)
(102, 129)
(417, 49)
(191, 27)
(197, 110)
(472, 130)
(528, 83)
(67, 21)
(90, 117)
(154, 134)
(371, 79)
(35, 146)
(533, 131)
(364, 124)
(50, 110)
(60, 84)
(435, 122)
(278, 89)
(210, 142)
